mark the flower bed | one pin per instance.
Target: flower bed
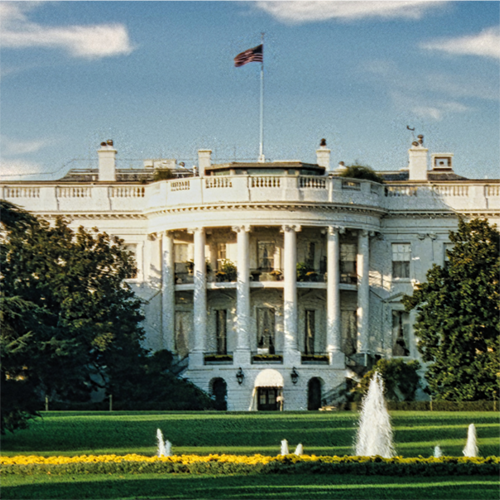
(242, 464)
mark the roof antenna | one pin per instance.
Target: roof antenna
(412, 130)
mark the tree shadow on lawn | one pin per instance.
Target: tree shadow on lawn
(300, 487)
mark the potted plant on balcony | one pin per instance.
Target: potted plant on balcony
(227, 271)
(302, 269)
(276, 275)
(311, 276)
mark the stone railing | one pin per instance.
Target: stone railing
(137, 198)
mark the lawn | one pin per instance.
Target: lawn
(77, 433)
(321, 433)
(300, 487)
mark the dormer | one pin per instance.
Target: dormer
(442, 162)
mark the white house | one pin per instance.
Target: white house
(272, 281)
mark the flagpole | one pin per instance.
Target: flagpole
(261, 145)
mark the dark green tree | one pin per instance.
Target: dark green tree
(361, 172)
(401, 379)
(70, 322)
(458, 316)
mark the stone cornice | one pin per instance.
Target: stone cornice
(92, 216)
(322, 207)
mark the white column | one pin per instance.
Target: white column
(168, 292)
(363, 291)
(242, 354)
(199, 299)
(140, 261)
(333, 334)
(291, 352)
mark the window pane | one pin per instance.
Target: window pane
(265, 329)
(400, 269)
(266, 255)
(400, 333)
(180, 252)
(349, 332)
(401, 251)
(310, 332)
(221, 330)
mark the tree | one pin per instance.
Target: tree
(361, 172)
(458, 316)
(401, 379)
(72, 324)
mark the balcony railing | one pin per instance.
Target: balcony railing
(260, 357)
(322, 358)
(216, 358)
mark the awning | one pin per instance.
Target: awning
(269, 378)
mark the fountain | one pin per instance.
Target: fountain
(168, 448)
(162, 452)
(471, 449)
(374, 435)
(437, 452)
(299, 450)
(284, 447)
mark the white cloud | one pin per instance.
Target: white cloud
(85, 41)
(486, 44)
(311, 11)
(12, 169)
(12, 147)
(427, 107)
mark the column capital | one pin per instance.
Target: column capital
(153, 236)
(243, 228)
(290, 227)
(335, 229)
(192, 230)
(364, 233)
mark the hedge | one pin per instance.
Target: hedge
(436, 406)
(256, 464)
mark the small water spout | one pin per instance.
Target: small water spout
(471, 449)
(437, 452)
(284, 447)
(168, 448)
(162, 452)
(374, 435)
(299, 450)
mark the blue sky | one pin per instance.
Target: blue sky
(159, 79)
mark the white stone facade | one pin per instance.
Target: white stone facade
(361, 246)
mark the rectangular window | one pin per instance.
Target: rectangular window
(265, 252)
(348, 262)
(221, 330)
(309, 334)
(183, 324)
(349, 332)
(400, 333)
(401, 253)
(265, 329)
(311, 254)
(180, 252)
(221, 255)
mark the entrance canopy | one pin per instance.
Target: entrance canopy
(269, 378)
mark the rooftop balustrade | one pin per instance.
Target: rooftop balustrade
(138, 198)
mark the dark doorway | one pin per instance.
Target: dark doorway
(314, 394)
(266, 399)
(219, 391)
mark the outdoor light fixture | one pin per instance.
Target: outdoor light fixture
(240, 376)
(294, 375)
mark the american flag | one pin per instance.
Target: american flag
(251, 55)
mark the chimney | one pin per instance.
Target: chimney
(417, 164)
(204, 160)
(107, 157)
(323, 155)
(341, 168)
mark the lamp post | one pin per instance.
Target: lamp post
(240, 376)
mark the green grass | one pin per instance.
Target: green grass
(300, 487)
(325, 433)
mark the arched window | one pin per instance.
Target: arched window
(314, 394)
(219, 392)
